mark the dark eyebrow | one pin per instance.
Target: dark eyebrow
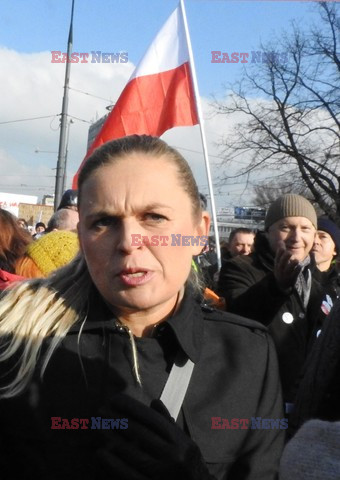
(152, 206)
(101, 213)
(107, 213)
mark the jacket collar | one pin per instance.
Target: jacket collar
(186, 324)
(330, 275)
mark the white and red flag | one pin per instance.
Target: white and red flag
(159, 94)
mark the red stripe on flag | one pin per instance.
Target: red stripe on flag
(150, 105)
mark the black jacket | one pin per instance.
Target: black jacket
(319, 392)
(235, 377)
(330, 282)
(249, 287)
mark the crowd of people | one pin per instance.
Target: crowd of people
(35, 254)
(143, 361)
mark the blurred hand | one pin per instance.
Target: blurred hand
(153, 447)
(286, 268)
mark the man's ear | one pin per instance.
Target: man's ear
(203, 231)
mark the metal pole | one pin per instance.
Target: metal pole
(204, 142)
(66, 155)
(63, 123)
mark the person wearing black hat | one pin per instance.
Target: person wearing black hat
(327, 244)
(69, 200)
(206, 262)
(325, 250)
(40, 228)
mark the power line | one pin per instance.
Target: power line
(28, 119)
(196, 151)
(39, 118)
(91, 94)
(35, 176)
(80, 119)
(24, 185)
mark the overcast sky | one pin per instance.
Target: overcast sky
(32, 86)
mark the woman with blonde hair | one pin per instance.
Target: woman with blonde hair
(118, 340)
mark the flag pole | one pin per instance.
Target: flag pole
(204, 142)
(61, 173)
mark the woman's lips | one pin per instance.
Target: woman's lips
(134, 277)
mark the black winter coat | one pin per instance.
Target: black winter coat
(249, 287)
(319, 392)
(235, 377)
(330, 283)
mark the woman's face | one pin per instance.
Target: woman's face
(133, 214)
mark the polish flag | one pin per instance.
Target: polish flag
(159, 94)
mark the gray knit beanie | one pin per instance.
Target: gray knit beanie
(313, 453)
(290, 205)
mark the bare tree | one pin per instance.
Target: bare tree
(289, 106)
(265, 193)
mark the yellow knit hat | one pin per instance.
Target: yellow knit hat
(53, 250)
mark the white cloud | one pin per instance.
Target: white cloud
(33, 87)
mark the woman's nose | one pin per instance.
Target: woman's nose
(130, 236)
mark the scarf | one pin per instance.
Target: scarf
(303, 282)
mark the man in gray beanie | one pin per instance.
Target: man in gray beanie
(275, 286)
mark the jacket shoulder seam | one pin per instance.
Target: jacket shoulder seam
(226, 317)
